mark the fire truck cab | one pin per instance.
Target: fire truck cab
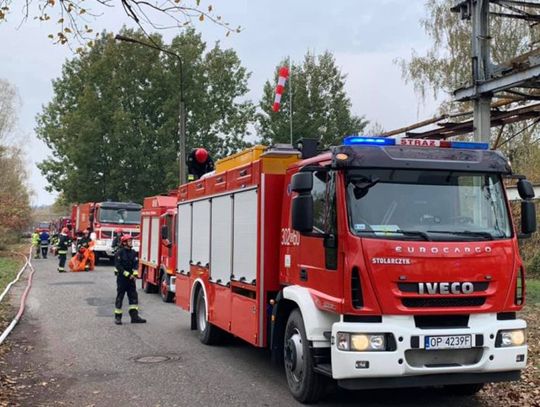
(383, 262)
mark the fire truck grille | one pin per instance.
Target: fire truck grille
(478, 286)
(443, 302)
(443, 358)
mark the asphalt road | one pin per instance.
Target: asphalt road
(83, 359)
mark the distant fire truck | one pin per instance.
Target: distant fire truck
(381, 263)
(157, 253)
(102, 219)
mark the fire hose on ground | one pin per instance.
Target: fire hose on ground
(15, 320)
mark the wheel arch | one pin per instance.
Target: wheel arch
(197, 285)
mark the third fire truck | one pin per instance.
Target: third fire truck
(381, 263)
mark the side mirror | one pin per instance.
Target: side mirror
(525, 189)
(302, 182)
(528, 217)
(164, 232)
(302, 213)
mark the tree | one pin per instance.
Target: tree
(321, 107)
(73, 18)
(14, 194)
(112, 123)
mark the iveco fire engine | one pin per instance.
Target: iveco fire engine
(383, 262)
(102, 219)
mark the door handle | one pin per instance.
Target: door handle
(303, 274)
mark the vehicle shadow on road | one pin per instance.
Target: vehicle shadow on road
(260, 360)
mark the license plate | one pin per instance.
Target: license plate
(448, 342)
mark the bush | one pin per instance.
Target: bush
(533, 268)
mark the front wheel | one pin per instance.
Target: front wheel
(305, 385)
(208, 333)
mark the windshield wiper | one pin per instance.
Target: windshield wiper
(415, 233)
(485, 235)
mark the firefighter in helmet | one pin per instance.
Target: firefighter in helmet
(199, 163)
(126, 264)
(61, 248)
(118, 233)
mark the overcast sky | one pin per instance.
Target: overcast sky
(366, 36)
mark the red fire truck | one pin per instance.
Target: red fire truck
(102, 218)
(381, 263)
(157, 254)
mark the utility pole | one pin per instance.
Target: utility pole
(487, 78)
(182, 171)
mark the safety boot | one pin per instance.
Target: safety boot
(135, 318)
(118, 319)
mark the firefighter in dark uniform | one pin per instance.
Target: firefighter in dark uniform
(61, 249)
(126, 264)
(115, 245)
(85, 240)
(199, 163)
(44, 240)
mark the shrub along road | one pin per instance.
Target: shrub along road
(67, 351)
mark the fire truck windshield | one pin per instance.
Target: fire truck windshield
(427, 205)
(120, 215)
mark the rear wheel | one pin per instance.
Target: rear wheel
(305, 385)
(208, 333)
(146, 286)
(463, 389)
(164, 285)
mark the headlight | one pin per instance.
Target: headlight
(515, 337)
(361, 342)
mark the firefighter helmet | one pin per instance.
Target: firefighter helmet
(125, 238)
(201, 155)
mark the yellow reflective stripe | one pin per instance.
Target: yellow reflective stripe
(126, 273)
(117, 311)
(62, 251)
(135, 274)
(133, 307)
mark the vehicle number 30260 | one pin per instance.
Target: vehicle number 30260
(290, 237)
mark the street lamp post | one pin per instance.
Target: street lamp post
(182, 111)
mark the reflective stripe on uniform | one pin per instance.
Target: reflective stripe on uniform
(133, 307)
(126, 273)
(62, 251)
(135, 274)
(117, 311)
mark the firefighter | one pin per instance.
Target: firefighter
(36, 243)
(199, 163)
(61, 248)
(85, 240)
(54, 243)
(44, 240)
(118, 233)
(125, 261)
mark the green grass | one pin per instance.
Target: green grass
(533, 291)
(9, 267)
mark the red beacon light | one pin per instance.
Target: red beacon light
(412, 142)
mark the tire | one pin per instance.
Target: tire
(146, 286)
(208, 333)
(463, 389)
(305, 385)
(164, 292)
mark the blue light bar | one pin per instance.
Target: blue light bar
(368, 141)
(469, 145)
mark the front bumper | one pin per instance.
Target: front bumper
(410, 359)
